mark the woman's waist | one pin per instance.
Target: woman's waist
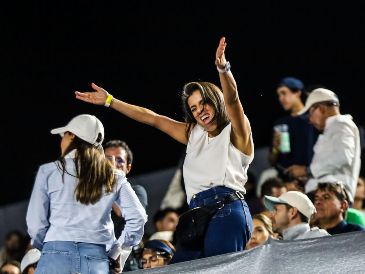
(81, 233)
(75, 247)
(214, 194)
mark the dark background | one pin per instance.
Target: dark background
(143, 53)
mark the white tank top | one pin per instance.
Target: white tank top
(211, 162)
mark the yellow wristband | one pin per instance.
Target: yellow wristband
(108, 100)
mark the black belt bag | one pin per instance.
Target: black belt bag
(193, 224)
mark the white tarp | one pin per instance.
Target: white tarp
(344, 253)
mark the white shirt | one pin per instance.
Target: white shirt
(55, 215)
(211, 162)
(337, 154)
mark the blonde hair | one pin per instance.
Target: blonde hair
(94, 171)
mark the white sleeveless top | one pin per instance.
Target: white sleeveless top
(211, 162)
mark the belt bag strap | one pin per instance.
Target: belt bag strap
(237, 195)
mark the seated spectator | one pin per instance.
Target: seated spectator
(292, 213)
(157, 253)
(331, 202)
(14, 247)
(29, 261)
(261, 231)
(10, 267)
(271, 187)
(165, 222)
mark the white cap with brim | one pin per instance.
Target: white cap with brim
(32, 256)
(86, 127)
(319, 95)
(293, 198)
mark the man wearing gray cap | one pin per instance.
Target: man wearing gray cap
(337, 150)
(292, 212)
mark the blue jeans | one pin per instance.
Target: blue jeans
(61, 257)
(228, 231)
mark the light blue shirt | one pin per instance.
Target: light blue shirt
(55, 215)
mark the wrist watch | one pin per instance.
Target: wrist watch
(227, 67)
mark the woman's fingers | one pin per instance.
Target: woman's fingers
(98, 96)
(84, 96)
(90, 97)
(95, 87)
(220, 58)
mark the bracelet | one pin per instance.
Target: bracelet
(227, 67)
(108, 100)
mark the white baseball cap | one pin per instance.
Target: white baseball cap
(293, 198)
(319, 95)
(31, 257)
(86, 127)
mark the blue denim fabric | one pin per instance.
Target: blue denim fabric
(60, 257)
(229, 230)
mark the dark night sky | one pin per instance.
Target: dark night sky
(144, 52)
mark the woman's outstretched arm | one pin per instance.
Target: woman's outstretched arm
(241, 130)
(99, 96)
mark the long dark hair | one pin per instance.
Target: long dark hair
(94, 172)
(212, 96)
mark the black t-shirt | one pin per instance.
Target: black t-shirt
(302, 137)
(344, 227)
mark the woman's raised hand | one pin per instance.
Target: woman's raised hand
(220, 58)
(97, 97)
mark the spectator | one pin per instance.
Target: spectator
(219, 151)
(292, 212)
(121, 155)
(166, 219)
(10, 267)
(69, 209)
(301, 135)
(261, 232)
(165, 222)
(29, 262)
(331, 204)
(14, 247)
(156, 253)
(337, 151)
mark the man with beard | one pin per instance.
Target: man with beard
(292, 212)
